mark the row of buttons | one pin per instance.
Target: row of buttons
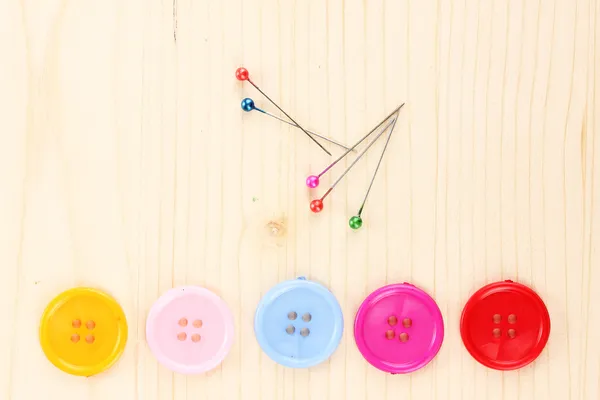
(398, 328)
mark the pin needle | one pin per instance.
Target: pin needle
(242, 75)
(313, 180)
(248, 105)
(356, 221)
(317, 204)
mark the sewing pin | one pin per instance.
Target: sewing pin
(317, 204)
(313, 180)
(242, 75)
(356, 221)
(248, 105)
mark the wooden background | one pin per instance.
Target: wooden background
(127, 164)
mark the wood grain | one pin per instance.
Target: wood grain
(127, 164)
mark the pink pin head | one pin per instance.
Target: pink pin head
(312, 181)
(241, 74)
(316, 205)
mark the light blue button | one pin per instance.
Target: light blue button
(299, 323)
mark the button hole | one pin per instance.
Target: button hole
(292, 315)
(90, 325)
(75, 338)
(403, 337)
(512, 319)
(198, 323)
(389, 334)
(512, 333)
(304, 332)
(392, 320)
(90, 339)
(307, 317)
(290, 329)
(497, 332)
(181, 336)
(497, 318)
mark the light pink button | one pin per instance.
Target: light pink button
(190, 330)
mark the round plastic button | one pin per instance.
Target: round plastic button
(83, 331)
(399, 328)
(505, 325)
(190, 330)
(298, 323)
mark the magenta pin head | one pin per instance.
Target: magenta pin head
(241, 74)
(312, 181)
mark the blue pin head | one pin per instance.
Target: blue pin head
(248, 104)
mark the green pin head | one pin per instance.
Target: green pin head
(355, 222)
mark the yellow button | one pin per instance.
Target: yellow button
(83, 331)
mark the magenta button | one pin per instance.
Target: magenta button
(399, 328)
(190, 330)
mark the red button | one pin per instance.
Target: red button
(505, 325)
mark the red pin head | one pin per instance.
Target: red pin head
(241, 74)
(316, 205)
